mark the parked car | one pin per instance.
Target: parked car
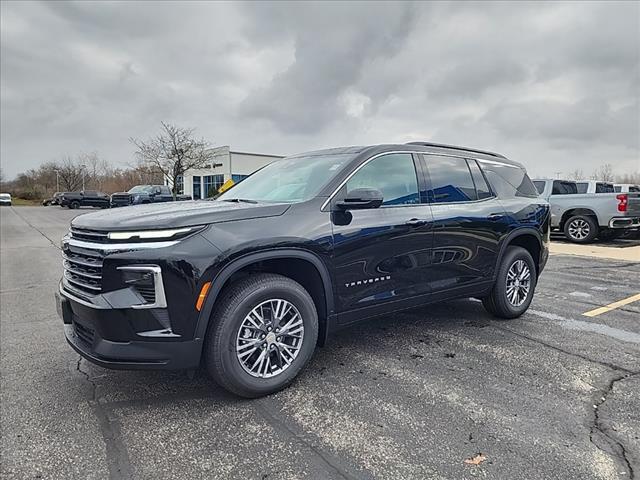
(594, 186)
(5, 199)
(145, 194)
(626, 188)
(86, 198)
(54, 200)
(587, 216)
(249, 283)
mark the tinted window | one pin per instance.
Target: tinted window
(582, 187)
(564, 188)
(634, 189)
(508, 180)
(604, 188)
(539, 184)
(90, 193)
(450, 180)
(619, 189)
(482, 188)
(394, 175)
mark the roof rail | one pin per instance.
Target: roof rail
(465, 149)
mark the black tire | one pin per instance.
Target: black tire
(230, 311)
(75, 204)
(581, 229)
(497, 302)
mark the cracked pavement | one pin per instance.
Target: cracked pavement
(552, 394)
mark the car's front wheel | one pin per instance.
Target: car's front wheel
(515, 283)
(264, 331)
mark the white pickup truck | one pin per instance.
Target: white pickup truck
(584, 216)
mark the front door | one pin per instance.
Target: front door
(381, 255)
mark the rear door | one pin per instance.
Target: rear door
(381, 255)
(468, 223)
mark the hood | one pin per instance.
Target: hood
(175, 214)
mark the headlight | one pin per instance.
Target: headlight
(154, 234)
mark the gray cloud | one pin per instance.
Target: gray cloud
(547, 83)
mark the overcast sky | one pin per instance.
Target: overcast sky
(555, 86)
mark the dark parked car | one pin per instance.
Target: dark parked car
(250, 283)
(86, 198)
(54, 200)
(141, 194)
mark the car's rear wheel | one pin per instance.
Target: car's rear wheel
(264, 331)
(516, 278)
(581, 229)
(74, 205)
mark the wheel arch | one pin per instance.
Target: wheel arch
(319, 286)
(572, 212)
(527, 238)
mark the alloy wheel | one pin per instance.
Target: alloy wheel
(270, 338)
(518, 283)
(579, 229)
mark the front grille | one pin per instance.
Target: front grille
(89, 235)
(82, 271)
(83, 333)
(121, 199)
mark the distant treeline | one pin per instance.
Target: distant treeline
(66, 175)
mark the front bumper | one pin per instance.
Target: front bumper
(624, 222)
(86, 329)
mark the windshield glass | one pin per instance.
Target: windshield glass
(141, 189)
(539, 186)
(289, 180)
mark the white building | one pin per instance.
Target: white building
(227, 164)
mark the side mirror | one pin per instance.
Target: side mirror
(360, 199)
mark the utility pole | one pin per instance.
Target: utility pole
(57, 180)
(558, 174)
(83, 167)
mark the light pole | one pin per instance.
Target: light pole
(83, 167)
(57, 180)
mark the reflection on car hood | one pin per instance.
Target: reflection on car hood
(175, 214)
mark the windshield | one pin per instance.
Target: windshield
(289, 180)
(141, 189)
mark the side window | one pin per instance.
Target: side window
(604, 188)
(394, 175)
(564, 188)
(583, 187)
(618, 189)
(539, 184)
(482, 188)
(450, 180)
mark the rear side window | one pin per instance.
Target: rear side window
(582, 187)
(450, 180)
(564, 188)
(482, 188)
(539, 186)
(604, 188)
(508, 180)
(394, 175)
(634, 189)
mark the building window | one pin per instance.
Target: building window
(211, 185)
(237, 178)
(197, 180)
(180, 184)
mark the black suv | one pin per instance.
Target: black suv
(250, 283)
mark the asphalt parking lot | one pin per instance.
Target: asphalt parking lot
(553, 394)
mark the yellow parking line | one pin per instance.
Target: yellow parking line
(612, 306)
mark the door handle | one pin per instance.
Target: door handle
(494, 217)
(415, 222)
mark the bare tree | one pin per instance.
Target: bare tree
(173, 152)
(603, 173)
(631, 177)
(70, 172)
(577, 174)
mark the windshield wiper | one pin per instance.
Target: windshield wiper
(239, 200)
